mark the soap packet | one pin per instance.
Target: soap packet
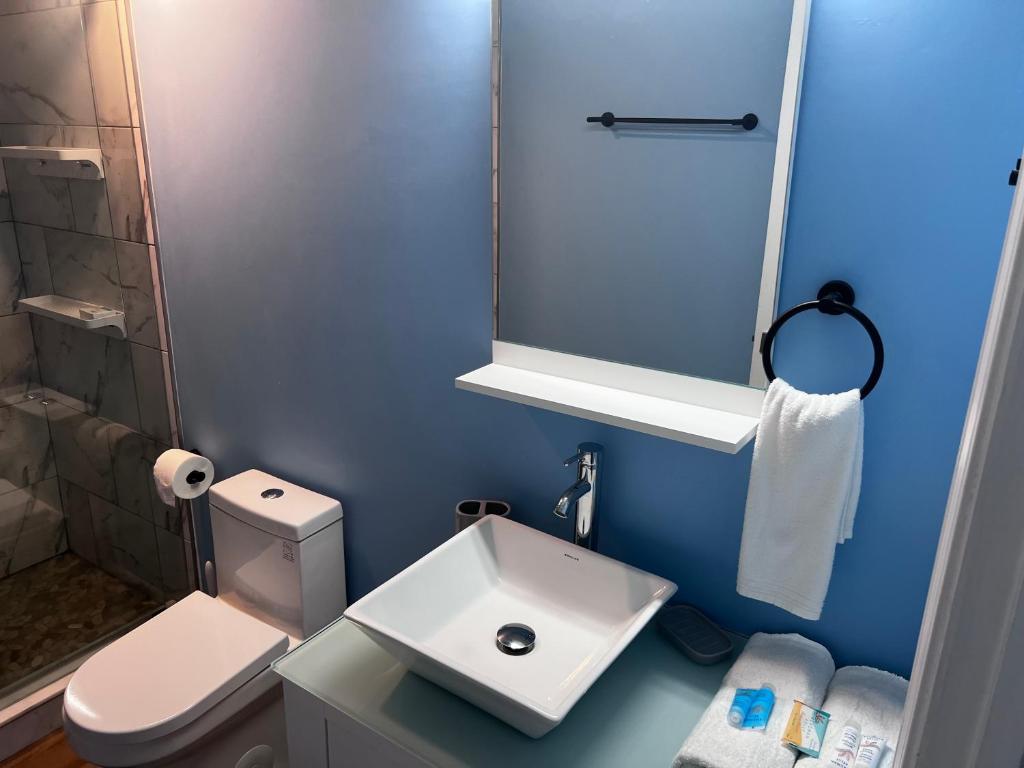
(806, 728)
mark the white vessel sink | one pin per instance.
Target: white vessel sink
(441, 616)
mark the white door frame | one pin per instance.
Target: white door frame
(969, 655)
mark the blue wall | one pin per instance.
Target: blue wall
(322, 189)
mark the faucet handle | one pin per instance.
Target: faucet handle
(579, 456)
(583, 452)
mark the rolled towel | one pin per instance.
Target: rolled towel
(869, 697)
(796, 667)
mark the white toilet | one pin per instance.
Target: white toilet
(193, 686)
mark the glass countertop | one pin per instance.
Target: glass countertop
(638, 713)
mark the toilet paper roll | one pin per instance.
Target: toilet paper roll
(177, 475)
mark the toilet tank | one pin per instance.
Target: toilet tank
(279, 551)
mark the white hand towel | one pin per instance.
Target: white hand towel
(869, 697)
(802, 498)
(796, 667)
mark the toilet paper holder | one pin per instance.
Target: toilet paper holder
(195, 476)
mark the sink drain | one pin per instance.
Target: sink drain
(516, 639)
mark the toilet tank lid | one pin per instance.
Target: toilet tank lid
(274, 505)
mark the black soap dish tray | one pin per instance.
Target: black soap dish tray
(695, 634)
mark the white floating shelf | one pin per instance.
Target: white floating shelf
(672, 419)
(65, 162)
(81, 314)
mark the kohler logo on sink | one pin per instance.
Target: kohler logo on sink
(571, 557)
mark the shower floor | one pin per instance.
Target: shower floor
(57, 609)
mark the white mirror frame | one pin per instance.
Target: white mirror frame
(713, 414)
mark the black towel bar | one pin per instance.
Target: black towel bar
(836, 297)
(748, 122)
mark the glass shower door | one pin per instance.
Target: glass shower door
(87, 550)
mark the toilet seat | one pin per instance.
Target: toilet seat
(184, 670)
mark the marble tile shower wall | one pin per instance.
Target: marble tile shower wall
(83, 414)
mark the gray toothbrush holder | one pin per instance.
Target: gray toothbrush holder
(471, 510)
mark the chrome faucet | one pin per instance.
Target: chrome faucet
(583, 494)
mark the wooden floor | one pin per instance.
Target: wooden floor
(50, 752)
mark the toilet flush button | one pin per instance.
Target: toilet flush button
(272, 493)
(257, 757)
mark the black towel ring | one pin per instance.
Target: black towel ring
(836, 297)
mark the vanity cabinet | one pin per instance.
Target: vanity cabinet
(320, 735)
(349, 704)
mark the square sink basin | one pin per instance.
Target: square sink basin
(442, 617)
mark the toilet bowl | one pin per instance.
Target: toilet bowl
(193, 685)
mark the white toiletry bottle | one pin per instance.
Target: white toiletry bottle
(870, 753)
(845, 752)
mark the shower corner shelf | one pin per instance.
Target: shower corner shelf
(80, 314)
(64, 162)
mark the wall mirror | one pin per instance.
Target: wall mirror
(650, 244)
(641, 164)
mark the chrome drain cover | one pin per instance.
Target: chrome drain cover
(516, 639)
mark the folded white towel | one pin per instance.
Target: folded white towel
(796, 667)
(870, 697)
(802, 498)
